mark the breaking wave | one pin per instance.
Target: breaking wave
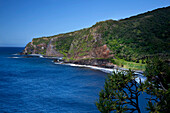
(15, 54)
(139, 75)
(14, 57)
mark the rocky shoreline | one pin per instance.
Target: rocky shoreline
(91, 62)
(105, 63)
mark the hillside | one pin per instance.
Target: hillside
(132, 39)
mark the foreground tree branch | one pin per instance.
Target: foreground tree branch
(120, 93)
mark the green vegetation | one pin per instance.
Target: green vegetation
(63, 44)
(121, 91)
(38, 45)
(42, 40)
(132, 40)
(78, 42)
(158, 84)
(127, 64)
(82, 54)
(83, 43)
(137, 37)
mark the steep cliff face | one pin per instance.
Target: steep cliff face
(96, 52)
(86, 43)
(51, 48)
(132, 39)
(89, 44)
(37, 46)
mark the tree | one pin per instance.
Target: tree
(120, 93)
(157, 85)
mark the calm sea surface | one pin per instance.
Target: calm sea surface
(37, 85)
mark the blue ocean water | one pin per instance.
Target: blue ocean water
(37, 85)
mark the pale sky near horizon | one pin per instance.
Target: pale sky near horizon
(22, 20)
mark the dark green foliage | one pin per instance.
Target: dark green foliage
(131, 39)
(158, 84)
(63, 43)
(118, 87)
(31, 48)
(120, 93)
(78, 42)
(139, 36)
(37, 44)
(41, 40)
(83, 43)
(128, 64)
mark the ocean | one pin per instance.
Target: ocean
(37, 85)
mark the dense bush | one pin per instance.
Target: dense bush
(139, 36)
(121, 91)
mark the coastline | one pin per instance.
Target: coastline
(59, 61)
(139, 74)
(106, 70)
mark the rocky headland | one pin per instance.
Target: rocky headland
(132, 39)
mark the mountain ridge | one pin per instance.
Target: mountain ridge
(132, 39)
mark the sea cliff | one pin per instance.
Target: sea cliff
(132, 39)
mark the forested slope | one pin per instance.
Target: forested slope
(131, 39)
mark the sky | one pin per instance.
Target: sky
(23, 20)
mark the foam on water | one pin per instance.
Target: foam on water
(139, 78)
(31, 84)
(14, 57)
(15, 54)
(39, 55)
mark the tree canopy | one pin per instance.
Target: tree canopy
(121, 91)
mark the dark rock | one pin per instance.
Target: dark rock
(94, 62)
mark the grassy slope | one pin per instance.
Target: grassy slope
(140, 36)
(131, 39)
(128, 64)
